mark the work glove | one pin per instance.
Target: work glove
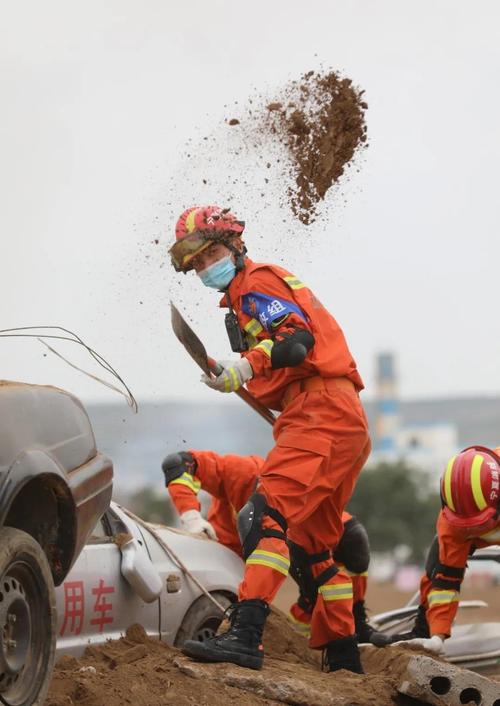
(433, 644)
(194, 523)
(235, 374)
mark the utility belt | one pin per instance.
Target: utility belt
(315, 383)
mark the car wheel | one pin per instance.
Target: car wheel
(28, 621)
(202, 619)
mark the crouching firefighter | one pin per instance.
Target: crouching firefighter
(469, 519)
(230, 480)
(293, 358)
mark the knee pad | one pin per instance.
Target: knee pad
(249, 523)
(353, 550)
(301, 572)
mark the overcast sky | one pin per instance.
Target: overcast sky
(98, 102)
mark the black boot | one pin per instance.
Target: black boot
(241, 644)
(364, 631)
(343, 653)
(420, 627)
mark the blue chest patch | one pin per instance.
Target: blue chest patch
(268, 309)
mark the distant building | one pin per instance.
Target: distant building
(387, 407)
(428, 446)
(425, 446)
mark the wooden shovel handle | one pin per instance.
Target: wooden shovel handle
(246, 396)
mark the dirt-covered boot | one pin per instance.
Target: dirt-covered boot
(365, 631)
(420, 627)
(241, 644)
(343, 653)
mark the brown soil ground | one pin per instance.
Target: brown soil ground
(137, 670)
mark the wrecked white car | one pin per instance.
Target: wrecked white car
(473, 646)
(129, 572)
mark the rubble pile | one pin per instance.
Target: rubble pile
(144, 672)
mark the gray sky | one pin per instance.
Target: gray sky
(98, 100)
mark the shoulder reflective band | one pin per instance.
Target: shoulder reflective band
(294, 283)
(188, 480)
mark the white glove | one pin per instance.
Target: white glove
(193, 522)
(235, 374)
(433, 644)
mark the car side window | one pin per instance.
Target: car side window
(107, 529)
(102, 533)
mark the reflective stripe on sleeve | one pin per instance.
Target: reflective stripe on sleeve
(303, 628)
(270, 559)
(253, 327)
(336, 591)
(187, 479)
(441, 597)
(231, 381)
(294, 282)
(266, 345)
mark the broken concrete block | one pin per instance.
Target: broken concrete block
(439, 683)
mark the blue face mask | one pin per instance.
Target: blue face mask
(218, 275)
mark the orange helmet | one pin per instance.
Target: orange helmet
(199, 226)
(470, 487)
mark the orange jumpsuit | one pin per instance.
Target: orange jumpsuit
(231, 480)
(321, 437)
(439, 592)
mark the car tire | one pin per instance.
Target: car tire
(202, 619)
(28, 620)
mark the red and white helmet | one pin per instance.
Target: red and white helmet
(470, 487)
(199, 226)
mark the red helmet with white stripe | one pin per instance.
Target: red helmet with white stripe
(199, 226)
(470, 487)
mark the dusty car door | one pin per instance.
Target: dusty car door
(95, 603)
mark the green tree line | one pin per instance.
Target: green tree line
(396, 505)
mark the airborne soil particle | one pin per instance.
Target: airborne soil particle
(144, 672)
(322, 124)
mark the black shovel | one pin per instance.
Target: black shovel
(197, 351)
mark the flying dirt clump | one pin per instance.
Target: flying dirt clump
(321, 120)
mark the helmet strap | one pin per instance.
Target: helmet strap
(239, 256)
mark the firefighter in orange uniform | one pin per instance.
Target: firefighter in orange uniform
(231, 480)
(468, 520)
(293, 358)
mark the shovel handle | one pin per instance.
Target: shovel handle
(246, 396)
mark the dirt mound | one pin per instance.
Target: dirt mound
(320, 119)
(144, 672)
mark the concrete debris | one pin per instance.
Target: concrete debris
(441, 683)
(275, 682)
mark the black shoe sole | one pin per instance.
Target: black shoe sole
(204, 653)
